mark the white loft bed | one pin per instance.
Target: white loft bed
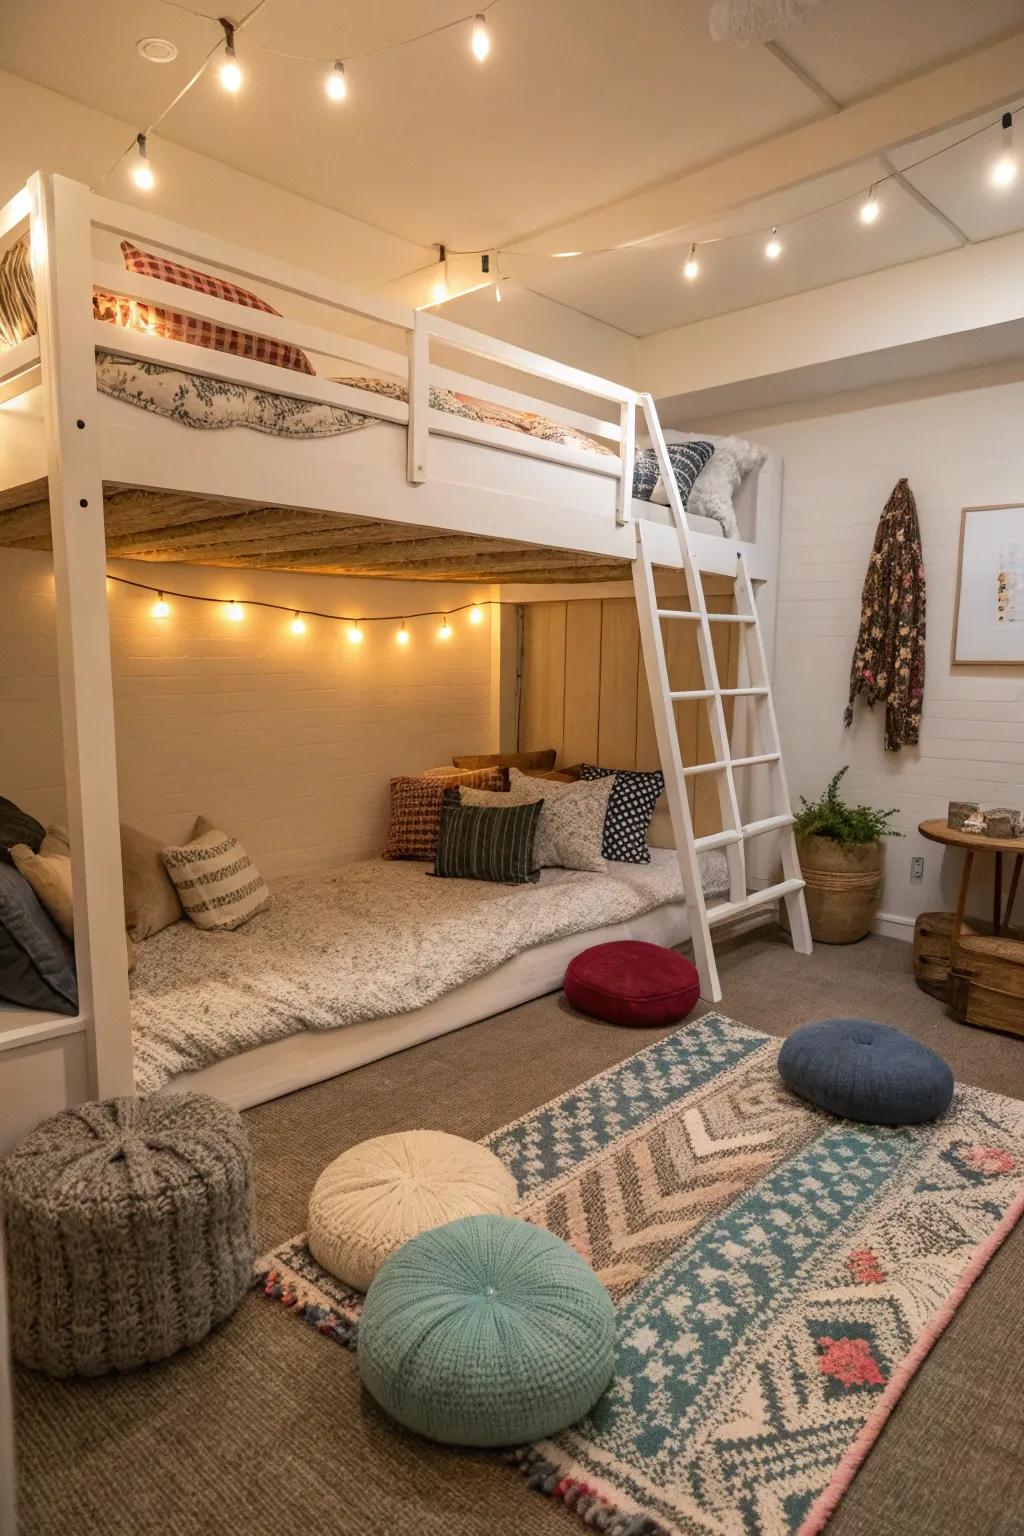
(485, 502)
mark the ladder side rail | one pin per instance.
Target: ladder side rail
(726, 784)
(670, 755)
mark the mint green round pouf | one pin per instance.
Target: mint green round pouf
(486, 1331)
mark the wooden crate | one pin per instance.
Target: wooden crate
(986, 982)
(932, 934)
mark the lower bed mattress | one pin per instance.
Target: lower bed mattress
(351, 964)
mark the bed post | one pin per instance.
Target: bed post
(62, 268)
(418, 394)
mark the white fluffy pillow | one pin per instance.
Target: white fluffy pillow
(570, 828)
(717, 484)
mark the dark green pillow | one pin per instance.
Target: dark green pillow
(483, 842)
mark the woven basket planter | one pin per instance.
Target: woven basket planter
(843, 887)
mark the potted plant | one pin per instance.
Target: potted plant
(840, 847)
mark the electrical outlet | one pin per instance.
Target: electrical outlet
(917, 871)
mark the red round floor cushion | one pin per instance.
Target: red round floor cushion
(632, 983)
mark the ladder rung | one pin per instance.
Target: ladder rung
(689, 773)
(716, 618)
(716, 840)
(743, 693)
(727, 909)
(676, 613)
(692, 693)
(769, 824)
(752, 762)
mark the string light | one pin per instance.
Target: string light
(481, 38)
(870, 210)
(402, 638)
(1004, 172)
(230, 70)
(445, 632)
(355, 632)
(439, 292)
(692, 267)
(142, 173)
(337, 86)
(773, 250)
(161, 608)
(476, 615)
(298, 624)
(235, 612)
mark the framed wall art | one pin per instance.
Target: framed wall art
(988, 624)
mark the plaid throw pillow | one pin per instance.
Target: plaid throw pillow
(17, 295)
(416, 808)
(478, 842)
(173, 326)
(219, 885)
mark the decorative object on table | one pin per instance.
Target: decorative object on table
(989, 616)
(487, 1331)
(129, 1229)
(973, 840)
(986, 980)
(958, 812)
(379, 1194)
(1002, 821)
(827, 1226)
(630, 982)
(841, 848)
(866, 1071)
(933, 933)
(975, 822)
(888, 658)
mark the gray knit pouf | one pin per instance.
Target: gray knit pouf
(129, 1231)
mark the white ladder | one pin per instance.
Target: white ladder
(753, 682)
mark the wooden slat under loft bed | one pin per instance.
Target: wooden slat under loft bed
(164, 526)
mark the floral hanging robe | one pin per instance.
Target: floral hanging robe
(888, 659)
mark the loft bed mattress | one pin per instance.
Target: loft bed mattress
(366, 941)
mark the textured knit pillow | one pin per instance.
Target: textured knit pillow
(570, 831)
(687, 460)
(416, 808)
(487, 842)
(173, 326)
(219, 885)
(629, 811)
(17, 295)
(720, 479)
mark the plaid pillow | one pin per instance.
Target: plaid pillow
(173, 326)
(416, 808)
(477, 842)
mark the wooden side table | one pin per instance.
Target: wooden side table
(976, 842)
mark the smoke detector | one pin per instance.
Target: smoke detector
(157, 50)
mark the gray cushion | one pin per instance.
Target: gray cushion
(866, 1071)
(17, 826)
(37, 963)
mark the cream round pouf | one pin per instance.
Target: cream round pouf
(379, 1194)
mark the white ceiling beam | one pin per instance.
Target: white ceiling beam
(952, 93)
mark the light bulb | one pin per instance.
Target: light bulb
(298, 625)
(230, 73)
(1004, 171)
(773, 250)
(402, 638)
(481, 38)
(692, 267)
(355, 633)
(337, 88)
(439, 292)
(235, 612)
(476, 615)
(142, 175)
(445, 632)
(870, 211)
(161, 608)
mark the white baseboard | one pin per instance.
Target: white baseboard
(891, 926)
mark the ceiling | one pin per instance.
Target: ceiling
(581, 103)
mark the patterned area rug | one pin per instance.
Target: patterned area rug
(779, 1276)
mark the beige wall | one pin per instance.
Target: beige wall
(286, 741)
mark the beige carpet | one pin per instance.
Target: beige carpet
(265, 1425)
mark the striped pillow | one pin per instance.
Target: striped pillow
(478, 842)
(219, 885)
(17, 295)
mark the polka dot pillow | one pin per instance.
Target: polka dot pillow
(630, 809)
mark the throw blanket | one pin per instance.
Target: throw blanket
(364, 941)
(888, 658)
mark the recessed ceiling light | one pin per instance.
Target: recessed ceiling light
(157, 50)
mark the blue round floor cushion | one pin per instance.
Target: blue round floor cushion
(486, 1331)
(866, 1071)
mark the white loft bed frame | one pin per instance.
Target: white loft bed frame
(440, 471)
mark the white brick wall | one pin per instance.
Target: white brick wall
(288, 742)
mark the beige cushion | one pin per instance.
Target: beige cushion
(219, 885)
(379, 1194)
(150, 901)
(48, 872)
(570, 829)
